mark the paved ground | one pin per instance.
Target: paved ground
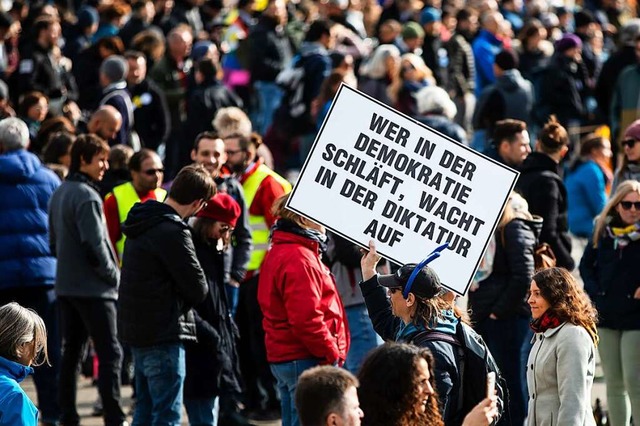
(87, 395)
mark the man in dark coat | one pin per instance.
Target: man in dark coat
(150, 110)
(208, 97)
(161, 281)
(142, 13)
(113, 72)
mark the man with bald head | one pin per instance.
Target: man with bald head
(486, 46)
(106, 123)
(170, 74)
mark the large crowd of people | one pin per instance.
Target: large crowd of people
(147, 149)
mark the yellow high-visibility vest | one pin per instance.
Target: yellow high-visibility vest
(259, 228)
(126, 196)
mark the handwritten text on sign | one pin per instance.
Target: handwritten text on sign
(375, 174)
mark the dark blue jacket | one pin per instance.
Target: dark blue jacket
(15, 406)
(446, 369)
(26, 187)
(610, 278)
(504, 292)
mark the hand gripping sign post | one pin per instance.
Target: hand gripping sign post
(375, 174)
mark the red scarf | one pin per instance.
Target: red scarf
(546, 321)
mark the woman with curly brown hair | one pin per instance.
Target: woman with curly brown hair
(397, 388)
(561, 363)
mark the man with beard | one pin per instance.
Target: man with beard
(209, 150)
(262, 186)
(150, 111)
(462, 72)
(146, 174)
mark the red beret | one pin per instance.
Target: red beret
(222, 208)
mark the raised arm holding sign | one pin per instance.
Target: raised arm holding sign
(374, 173)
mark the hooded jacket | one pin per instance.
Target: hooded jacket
(15, 406)
(511, 96)
(26, 187)
(161, 278)
(540, 184)
(503, 293)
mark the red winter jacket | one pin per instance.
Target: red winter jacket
(303, 314)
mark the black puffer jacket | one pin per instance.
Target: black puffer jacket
(611, 278)
(503, 293)
(214, 357)
(540, 184)
(271, 50)
(161, 278)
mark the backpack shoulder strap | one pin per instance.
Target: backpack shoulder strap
(433, 336)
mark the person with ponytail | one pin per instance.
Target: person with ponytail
(609, 269)
(540, 184)
(561, 363)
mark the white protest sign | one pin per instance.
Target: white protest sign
(375, 174)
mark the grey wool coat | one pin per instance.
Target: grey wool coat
(560, 374)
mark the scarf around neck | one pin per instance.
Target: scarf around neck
(545, 322)
(622, 236)
(286, 225)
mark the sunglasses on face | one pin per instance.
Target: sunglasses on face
(152, 172)
(626, 205)
(629, 142)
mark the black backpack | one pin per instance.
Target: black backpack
(475, 362)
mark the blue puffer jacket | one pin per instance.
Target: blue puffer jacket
(15, 406)
(586, 197)
(25, 187)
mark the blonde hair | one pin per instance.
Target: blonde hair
(609, 211)
(18, 326)
(418, 64)
(281, 212)
(231, 120)
(516, 208)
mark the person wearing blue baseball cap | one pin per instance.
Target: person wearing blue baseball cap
(413, 308)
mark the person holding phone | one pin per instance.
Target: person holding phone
(561, 363)
(609, 269)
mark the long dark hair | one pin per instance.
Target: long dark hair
(388, 387)
(567, 300)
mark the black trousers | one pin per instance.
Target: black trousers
(81, 318)
(260, 385)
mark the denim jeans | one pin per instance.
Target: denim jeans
(81, 317)
(43, 301)
(269, 97)
(202, 411)
(287, 373)
(160, 372)
(505, 339)
(363, 338)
